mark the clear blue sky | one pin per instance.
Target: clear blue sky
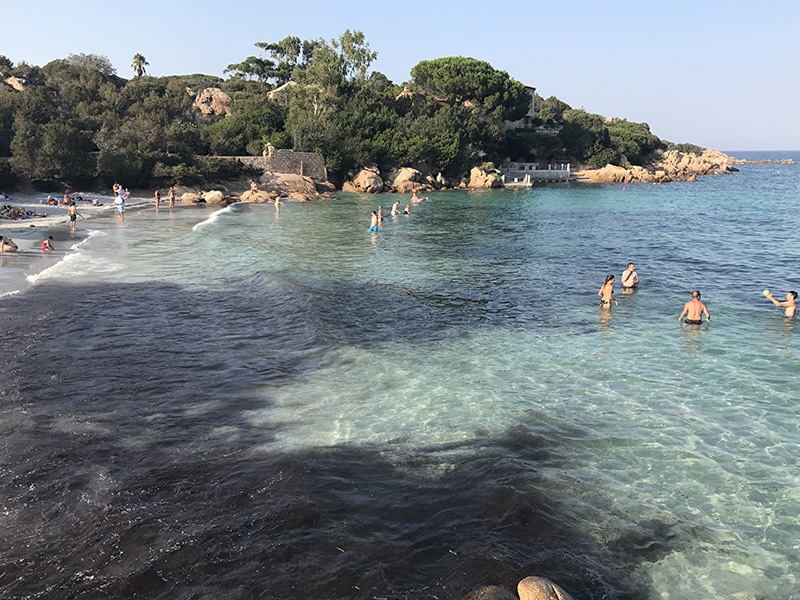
(718, 74)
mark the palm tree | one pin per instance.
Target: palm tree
(138, 64)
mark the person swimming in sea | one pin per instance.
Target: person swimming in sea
(606, 293)
(694, 310)
(790, 304)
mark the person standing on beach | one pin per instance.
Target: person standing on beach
(694, 310)
(629, 279)
(120, 204)
(606, 293)
(790, 304)
(72, 211)
(171, 196)
(157, 197)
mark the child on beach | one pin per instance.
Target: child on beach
(790, 304)
(47, 245)
(606, 293)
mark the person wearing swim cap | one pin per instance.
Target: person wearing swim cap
(790, 304)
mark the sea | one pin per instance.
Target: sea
(244, 403)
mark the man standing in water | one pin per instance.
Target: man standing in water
(171, 196)
(120, 204)
(157, 197)
(694, 310)
(629, 279)
(72, 211)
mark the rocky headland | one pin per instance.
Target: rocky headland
(666, 166)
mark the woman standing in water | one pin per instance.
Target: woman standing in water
(606, 293)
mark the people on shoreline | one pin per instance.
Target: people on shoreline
(7, 245)
(630, 279)
(47, 245)
(790, 304)
(157, 197)
(606, 292)
(694, 310)
(171, 197)
(72, 211)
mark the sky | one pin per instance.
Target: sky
(719, 74)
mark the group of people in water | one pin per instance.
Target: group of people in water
(693, 310)
(377, 216)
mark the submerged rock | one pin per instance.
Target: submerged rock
(490, 592)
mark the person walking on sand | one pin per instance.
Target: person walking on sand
(157, 197)
(72, 211)
(694, 310)
(629, 278)
(790, 304)
(47, 245)
(606, 293)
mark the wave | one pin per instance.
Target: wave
(11, 293)
(74, 263)
(213, 217)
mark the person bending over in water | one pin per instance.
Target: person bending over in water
(789, 304)
(694, 310)
(47, 245)
(606, 293)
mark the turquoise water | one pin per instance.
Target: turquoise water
(476, 320)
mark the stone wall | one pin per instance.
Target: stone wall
(309, 164)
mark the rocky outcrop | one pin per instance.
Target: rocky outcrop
(17, 84)
(214, 197)
(671, 165)
(189, 198)
(258, 197)
(213, 101)
(484, 179)
(297, 187)
(367, 181)
(539, 588)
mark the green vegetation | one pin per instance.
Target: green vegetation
(78, 122)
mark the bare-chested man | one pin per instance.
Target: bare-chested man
(629, 278)
(790, 304)
(694, 310)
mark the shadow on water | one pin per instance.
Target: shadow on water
(129, 471)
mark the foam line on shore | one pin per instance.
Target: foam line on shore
(213, 217)
(72, 264)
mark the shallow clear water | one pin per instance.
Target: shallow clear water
(244, 404)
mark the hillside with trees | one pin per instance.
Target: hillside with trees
(76, 122)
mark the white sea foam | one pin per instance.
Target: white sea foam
(75, 263)
(10, 293)
(213, 217)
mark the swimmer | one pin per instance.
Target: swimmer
(407, 210)
(790, 304)
(629, 278)
(396, 208)
(606, 293)
(694, 310)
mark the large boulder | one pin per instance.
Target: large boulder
(214, 197)
(297, 187)
(482, 179)
(189, 198)
(367, 181)
(213, 101)
(407, 180)
(539, 588)
(257, 197)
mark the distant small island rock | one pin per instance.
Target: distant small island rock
(671, 165)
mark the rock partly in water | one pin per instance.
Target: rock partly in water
(258, 197)
(483, 179)
(671, 165)
(214, 197)
(190, 198)
(539, 588)
(367, 181)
